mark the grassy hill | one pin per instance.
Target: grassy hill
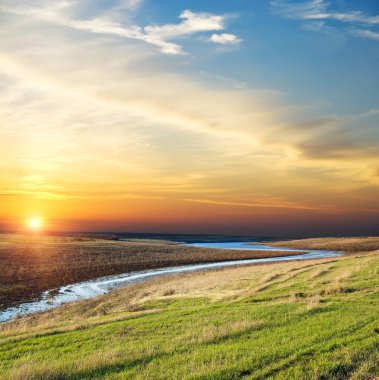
(298, 320)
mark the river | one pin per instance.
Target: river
(92, 288)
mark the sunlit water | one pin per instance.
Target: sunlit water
(244, 246)
(88, 289)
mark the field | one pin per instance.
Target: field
(314, 319)
(30, 264)
(349, 245)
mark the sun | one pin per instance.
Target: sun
(35, 224)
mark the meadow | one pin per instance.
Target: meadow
(315, 319)
(31, 264)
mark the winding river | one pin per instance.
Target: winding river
(88, 289)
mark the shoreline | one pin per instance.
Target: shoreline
(32, 267)
(104, 259)
(53, 298)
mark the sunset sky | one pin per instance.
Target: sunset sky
(230, 117)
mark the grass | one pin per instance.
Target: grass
(347, 245)
(314, 319)
(30, 265)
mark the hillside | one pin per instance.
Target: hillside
(309, 319)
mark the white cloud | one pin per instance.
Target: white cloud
(225, 39)
(66, 13)
(191, 23)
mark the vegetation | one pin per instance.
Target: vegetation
(347, 245)
(297, 320)
(31, 264)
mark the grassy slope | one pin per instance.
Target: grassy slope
(314, 320)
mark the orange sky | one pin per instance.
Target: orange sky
(178, 216)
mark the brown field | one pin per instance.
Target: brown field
(30, 265)
(347, 245)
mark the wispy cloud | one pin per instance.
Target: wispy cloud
(316, 14)
(300, 9)
(320, 10)
(106, 23)
(365, 33)
(270, 203)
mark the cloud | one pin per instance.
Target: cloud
(191, 23)
(269, 203)
(319, 10)
(336, 138)
(317, 17)
(225, 39)
(107, 23)
(365, 34)
(298, 10)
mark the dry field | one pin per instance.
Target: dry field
(30, 265)
(347, 245)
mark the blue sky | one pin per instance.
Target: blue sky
(321, 61)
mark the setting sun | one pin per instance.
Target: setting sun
(35, 224)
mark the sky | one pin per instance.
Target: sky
(218, 117)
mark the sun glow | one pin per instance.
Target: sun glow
(35, 224)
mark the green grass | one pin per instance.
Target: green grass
(300, 320)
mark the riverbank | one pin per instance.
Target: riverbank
(304, 319)
(32, 264)
(53, 298)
